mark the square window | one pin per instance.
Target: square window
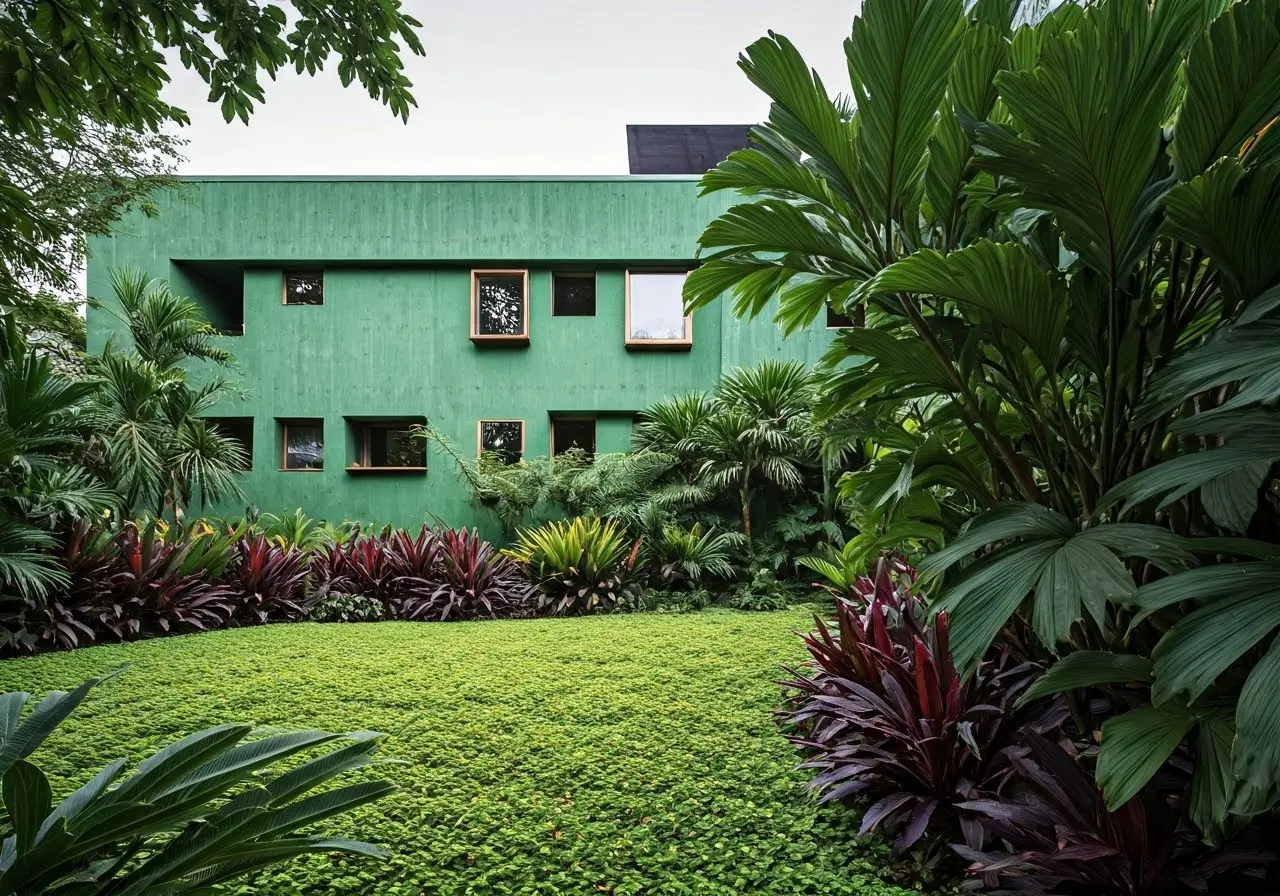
(836, 320)
(573, 432)
(573, 295)
(239, 430)
(390, 446)
(304, 287)
(302, 445)
(505, 438)
(500, 306)
(655, 310)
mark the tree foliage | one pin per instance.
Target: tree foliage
(1059, 238)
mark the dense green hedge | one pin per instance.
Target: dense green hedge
(616, 755)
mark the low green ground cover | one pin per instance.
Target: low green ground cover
(624, 754)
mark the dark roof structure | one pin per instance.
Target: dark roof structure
(682, 148)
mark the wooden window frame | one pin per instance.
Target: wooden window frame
(512, 339)
(284, 286)
(575, 418)
(576, 275)
(366, 428)
(284, 444)
(676, 344)
(524, 432)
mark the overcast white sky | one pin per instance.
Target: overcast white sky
(511, 87)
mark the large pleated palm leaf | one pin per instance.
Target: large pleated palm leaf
(1059, 235)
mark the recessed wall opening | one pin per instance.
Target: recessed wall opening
(386, 445)
(573, 294)
(238, 430)
(301, 443)
(500, 306)
(836, 320)
(217, 288)
(573, 432)
(503, 439)
(303, 288)
(655, 315)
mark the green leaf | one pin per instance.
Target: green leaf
(1199, 648)
(1090, 116)
(1086, 668)
(1134, 747)
(1257, 765)
(1232, 500)
(1080, 570)
(1001, 282)
(1212, 782)
(899, 54)
(1231, 213)
(27, 798)
(1010, 519)
(1233, 86)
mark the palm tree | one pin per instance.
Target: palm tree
(760, 427)
(41, 485)
(153, 442)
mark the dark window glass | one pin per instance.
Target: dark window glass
(504, 438)
(573, 434)
(304, 446)
(238, 430)
(500, 305)
(573, 295)
(304, 288)
(836, 320)
(394, 447)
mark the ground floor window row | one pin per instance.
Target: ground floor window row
(654, 316)
(387, 445)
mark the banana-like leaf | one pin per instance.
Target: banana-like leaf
(1134, 747)
(1203, 645)
(1087, 668)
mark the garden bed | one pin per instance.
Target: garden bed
(622, 754)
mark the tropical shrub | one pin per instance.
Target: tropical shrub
(681, 555)
(267, 583)
(883, 715)
(1055, 834)
(761, 590)
(195, 815)
(469, 579)
(346, 608)
(1056, 237)
(584, 565)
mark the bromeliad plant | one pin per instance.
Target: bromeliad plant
(1056, 238)
(206, 810)
(884, 716)
(579, 566)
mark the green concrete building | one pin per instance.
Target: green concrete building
(522, 315)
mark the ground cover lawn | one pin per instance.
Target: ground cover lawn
(611, 755)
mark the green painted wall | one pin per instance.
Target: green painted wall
(391, 339)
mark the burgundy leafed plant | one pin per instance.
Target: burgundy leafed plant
(472, 580)
(1058, 836)
(882, 715)
(267, 582)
